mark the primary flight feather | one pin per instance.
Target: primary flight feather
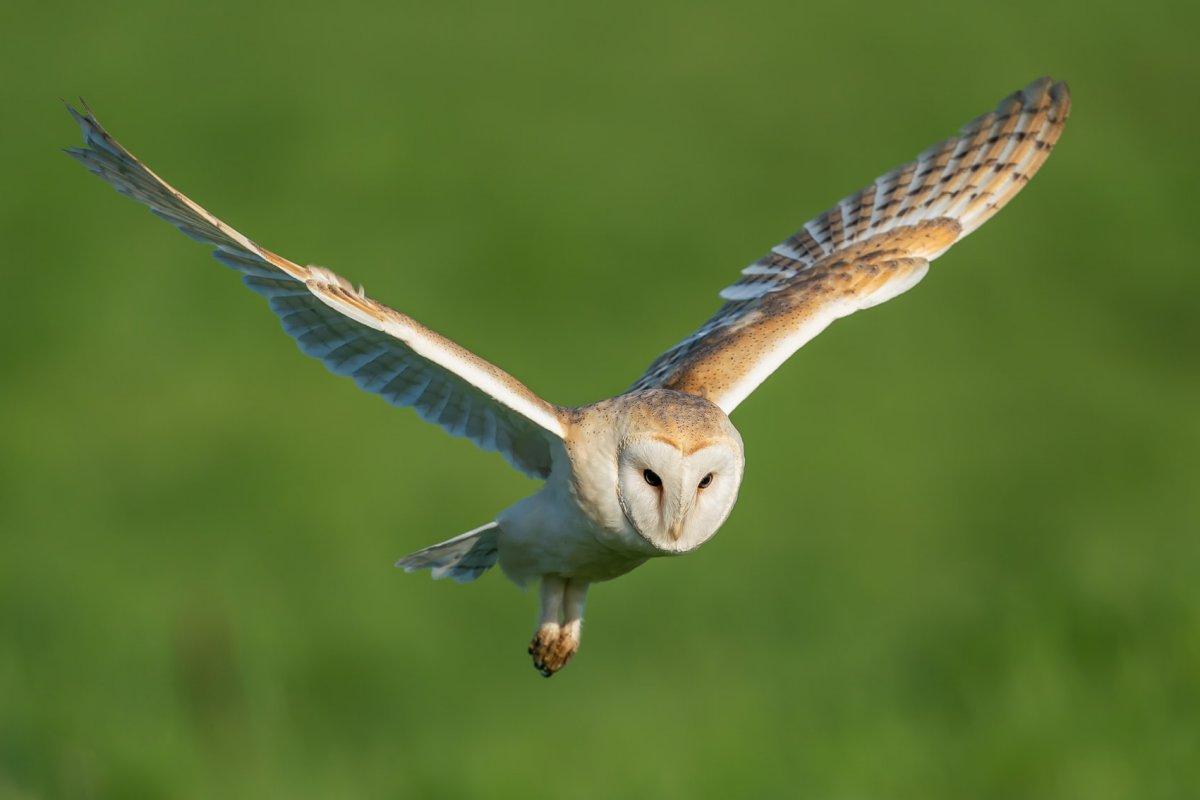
(656, 470)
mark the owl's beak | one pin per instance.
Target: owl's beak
(676, 507)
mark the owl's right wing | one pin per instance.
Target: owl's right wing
(385, 351)
(870, 247)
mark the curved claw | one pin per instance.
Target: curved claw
(552, 647)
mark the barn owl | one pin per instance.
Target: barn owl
(655, 470)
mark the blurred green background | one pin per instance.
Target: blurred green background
(964, 563)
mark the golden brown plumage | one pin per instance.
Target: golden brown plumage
(866, 249)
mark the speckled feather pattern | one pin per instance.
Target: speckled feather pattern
(867, 248)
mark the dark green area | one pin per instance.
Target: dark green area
(965, 562)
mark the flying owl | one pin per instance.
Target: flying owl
(655, 470)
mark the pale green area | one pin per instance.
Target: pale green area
(965, 563)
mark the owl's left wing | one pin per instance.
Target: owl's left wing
(386, 352)
(870, 247)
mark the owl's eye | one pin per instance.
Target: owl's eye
(705, 481)
(651, 477)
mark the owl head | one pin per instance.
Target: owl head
(679, 465)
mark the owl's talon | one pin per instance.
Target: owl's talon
(552, 647)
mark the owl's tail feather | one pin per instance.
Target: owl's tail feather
(463, 558)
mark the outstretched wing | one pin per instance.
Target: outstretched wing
(870, 247)
(385, 351)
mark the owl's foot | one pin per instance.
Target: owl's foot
(552, 647)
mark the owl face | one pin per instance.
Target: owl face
(677, 500)
(678, 475)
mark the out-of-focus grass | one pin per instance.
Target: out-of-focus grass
(965, 559)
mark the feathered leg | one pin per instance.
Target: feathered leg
(572, 630)
(552, 591)
(557, 637)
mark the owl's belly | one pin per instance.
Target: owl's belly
(547, 535)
